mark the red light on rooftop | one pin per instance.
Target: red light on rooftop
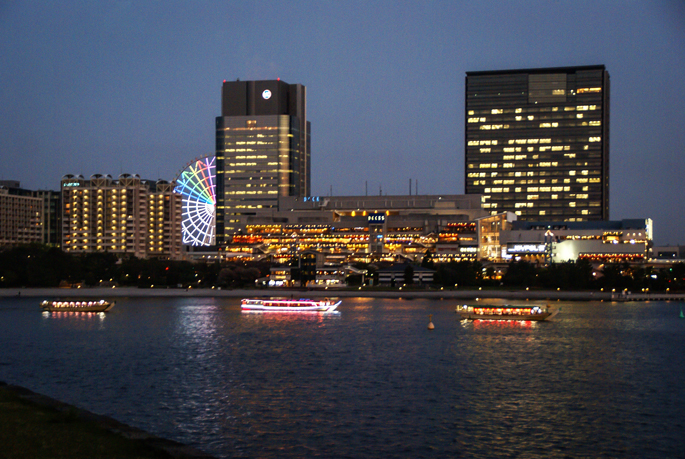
(278, 79)
(224, 81)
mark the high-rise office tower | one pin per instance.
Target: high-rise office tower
(537, 142)
(262, 150)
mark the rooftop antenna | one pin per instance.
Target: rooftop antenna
(366, 188)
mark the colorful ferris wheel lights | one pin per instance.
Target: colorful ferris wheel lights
(197, 185)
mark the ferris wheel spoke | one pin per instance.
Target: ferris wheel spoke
(196, 183)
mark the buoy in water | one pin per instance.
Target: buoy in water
(430, 322)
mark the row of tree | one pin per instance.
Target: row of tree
(571, 275)
(42, 266)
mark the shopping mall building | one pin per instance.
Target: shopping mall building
(449, 227)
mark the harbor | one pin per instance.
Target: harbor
(368, 381)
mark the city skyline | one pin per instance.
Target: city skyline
(116, 87)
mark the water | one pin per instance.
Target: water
(601, 380)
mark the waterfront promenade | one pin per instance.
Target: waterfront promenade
(466, 294)
(97, 292)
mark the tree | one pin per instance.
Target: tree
(427, 261)
(613, 277)
(98, 266)
(581, 274)
(409, 274)
(520, 274)
(463, 273)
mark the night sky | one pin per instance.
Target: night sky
(126, 86)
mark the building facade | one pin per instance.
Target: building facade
(362, 228)
(312, 232)
(262, 150)
(21, 217)
(537, 142)
(52, 216)
(622, 241)
(51, 222)
(126, 216)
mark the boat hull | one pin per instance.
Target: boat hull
(533, 317)
(522, 313)
(289, 306)
(77, 306)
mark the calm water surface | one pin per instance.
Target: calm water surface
(601, 380)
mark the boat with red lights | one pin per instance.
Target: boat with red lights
(289, 305)
(506, 312)
(77, 306)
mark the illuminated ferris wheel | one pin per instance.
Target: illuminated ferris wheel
(197, 184)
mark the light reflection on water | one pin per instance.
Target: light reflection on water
(500, 324)
(601, 379)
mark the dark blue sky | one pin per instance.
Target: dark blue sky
(126, 86)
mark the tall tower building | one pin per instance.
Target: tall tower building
(537, 142)
(262, 150)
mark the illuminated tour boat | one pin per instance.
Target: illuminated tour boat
(284, 305)
(77, 306)
(506, 312)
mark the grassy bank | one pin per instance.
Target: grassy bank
(38, 427)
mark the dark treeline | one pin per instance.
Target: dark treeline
(42, 266)
(570, 275)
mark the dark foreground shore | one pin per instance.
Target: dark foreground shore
(36, 426)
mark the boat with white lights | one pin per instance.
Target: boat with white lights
(77, 306)
(289, 305)
(506, 312)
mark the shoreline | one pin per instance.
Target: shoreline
(43, 412)
(134, 292)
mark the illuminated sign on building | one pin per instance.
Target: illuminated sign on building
(376, 219)
(71, 184)
(527, 248)
(311, 199)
